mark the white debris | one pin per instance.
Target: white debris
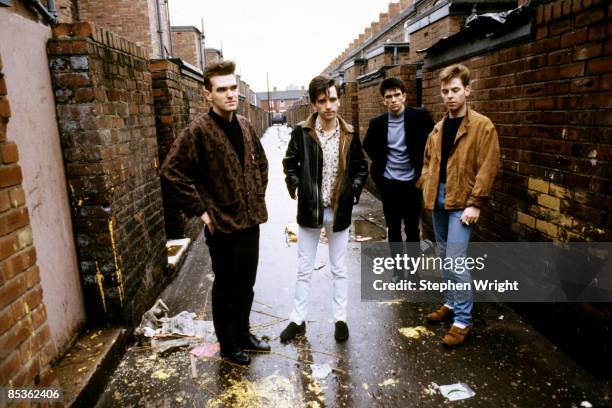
(387, 382)
(177, 331)
(455, 392)
(586, 404)
(321, 371)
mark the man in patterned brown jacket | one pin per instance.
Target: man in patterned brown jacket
(217, 170)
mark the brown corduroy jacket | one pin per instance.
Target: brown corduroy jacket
(202, 172)
(471, 168)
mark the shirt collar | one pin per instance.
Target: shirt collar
(319, 126)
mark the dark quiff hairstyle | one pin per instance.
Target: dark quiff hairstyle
(392, 83)
(455, 71)
(319, 85)
(217, 69)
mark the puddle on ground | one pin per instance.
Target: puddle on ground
(366, 228)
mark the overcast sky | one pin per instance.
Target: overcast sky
(291, 40)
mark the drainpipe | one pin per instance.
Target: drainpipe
(169, 30)
(51, 7)
(162, 47)
(201, 52)
(49, 15)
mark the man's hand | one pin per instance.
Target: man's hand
(470, 215)
(208, 222)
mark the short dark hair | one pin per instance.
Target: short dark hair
(216, 69)
(455, 71)
(319, 85)
(392, 83)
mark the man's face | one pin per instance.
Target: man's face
(327, 104)
(394, 100)
(454, 93)
(224, 93)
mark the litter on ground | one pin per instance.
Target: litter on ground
(176, 331)
(455, 392)
(415, 332)
(321, 371)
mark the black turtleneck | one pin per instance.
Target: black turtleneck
(233, 131)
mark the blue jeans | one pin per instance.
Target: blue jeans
(452, 238)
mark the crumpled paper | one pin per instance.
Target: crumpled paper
(176, 331)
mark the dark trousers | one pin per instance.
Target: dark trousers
(234, 259)
(401, 204)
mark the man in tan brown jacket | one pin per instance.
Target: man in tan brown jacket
(459, 167)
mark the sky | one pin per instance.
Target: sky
(290, 40)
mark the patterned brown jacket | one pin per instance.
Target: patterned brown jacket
(202, 172)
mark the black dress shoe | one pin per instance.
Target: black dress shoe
(342, 332)
(292, 330)
(253, 343)
(236, 356)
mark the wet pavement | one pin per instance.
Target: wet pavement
(506, 363)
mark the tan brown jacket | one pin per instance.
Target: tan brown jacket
(471, 168)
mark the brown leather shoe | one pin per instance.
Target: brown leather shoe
(442, 313)
(456, 335)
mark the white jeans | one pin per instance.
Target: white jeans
(308, 239)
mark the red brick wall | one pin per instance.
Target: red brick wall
(67, 11)
(104, 101)
(25, 344)
(349, 103)
(429, 35)
(550, 101)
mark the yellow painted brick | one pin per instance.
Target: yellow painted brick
(538, 185)
(526, 219)
(562, 220)
(549, 201)
(539, 212)
(547, 228)
(558, 191)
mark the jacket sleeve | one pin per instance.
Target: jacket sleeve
(177, 174)
(369, 140)
(358, 168)
(487, 162)
(291, 162)
(260, 156)
(426, 160)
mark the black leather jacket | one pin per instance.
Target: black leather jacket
(303, 167)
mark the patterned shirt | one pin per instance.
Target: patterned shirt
(330, 144)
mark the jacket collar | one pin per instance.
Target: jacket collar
(464, 124)
(344, 126)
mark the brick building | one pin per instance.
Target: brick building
(213, 55)
(143, 22)
(86, 116)
(279, 101)
(188, 45)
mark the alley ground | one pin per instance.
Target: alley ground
(506, 362)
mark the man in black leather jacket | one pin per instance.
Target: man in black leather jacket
(326, 170)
